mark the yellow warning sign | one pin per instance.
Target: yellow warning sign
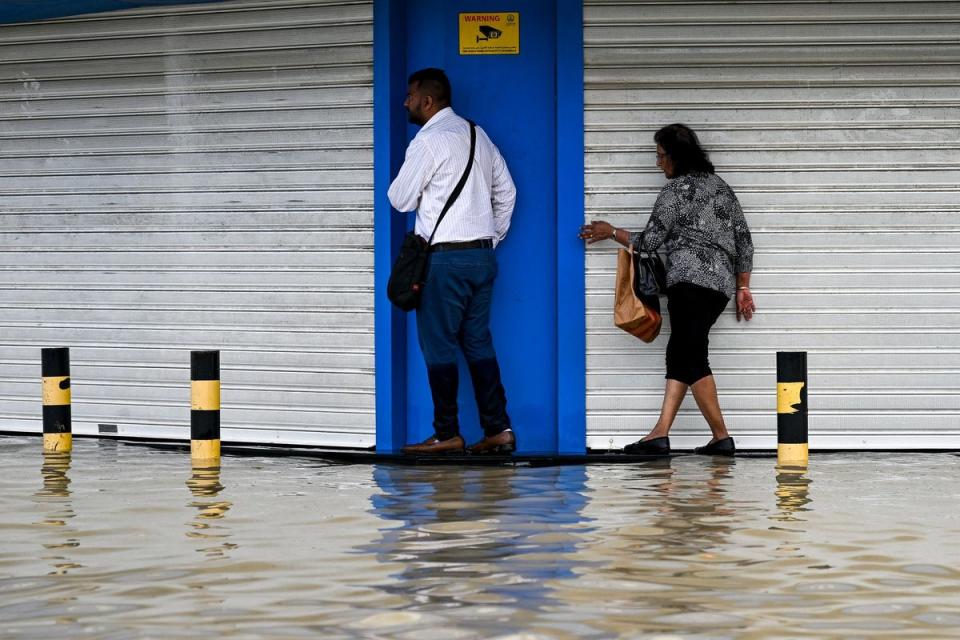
(489, 33)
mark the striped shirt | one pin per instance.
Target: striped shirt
(435, 160)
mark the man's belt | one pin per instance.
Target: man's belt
(483, 243)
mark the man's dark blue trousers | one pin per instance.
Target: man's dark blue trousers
(454, 314)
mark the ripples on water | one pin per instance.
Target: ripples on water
(121, 541)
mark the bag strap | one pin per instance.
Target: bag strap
(463, 180)
(639, 248)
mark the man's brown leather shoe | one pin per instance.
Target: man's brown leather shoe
(503, 442)
(435, 447)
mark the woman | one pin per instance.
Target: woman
(698, 220)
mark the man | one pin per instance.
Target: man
(454, 311)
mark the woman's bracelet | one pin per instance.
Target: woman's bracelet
(743, 288)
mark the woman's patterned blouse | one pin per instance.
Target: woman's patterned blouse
(698, 219)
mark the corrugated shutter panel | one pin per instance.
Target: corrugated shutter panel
(836, 123)
(197, 177)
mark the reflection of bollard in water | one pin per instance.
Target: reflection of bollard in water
(792, 446)
(54, 498)
(54, 470)
(204, 484)
(205, 408)
(55, 370)
(792, 492)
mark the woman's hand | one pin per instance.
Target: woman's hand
(596, 231)
(745, 305)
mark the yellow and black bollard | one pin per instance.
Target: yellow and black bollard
(792, 445)
(205, 407)
(55, 370)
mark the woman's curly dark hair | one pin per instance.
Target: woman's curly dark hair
(681, 144)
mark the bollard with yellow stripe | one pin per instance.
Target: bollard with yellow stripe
(55, 370)
(792, 444)
(205, 407)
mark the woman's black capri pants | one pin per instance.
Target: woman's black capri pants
(693, 310)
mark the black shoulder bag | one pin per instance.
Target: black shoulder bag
(650, 276)
(407, 276)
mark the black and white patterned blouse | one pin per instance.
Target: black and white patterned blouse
(698, 220)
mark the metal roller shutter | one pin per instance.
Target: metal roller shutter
(837, 125)
(197, 177)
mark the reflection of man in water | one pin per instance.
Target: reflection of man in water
(475, 536)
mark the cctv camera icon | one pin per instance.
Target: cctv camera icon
(490, 33)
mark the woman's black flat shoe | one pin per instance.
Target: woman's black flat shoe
(656, 446)
(724, 447)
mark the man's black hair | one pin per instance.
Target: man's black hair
(434, 83)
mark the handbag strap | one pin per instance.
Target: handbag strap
(463, 180)
(639, 250)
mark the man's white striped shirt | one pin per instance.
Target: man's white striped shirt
(435, 160)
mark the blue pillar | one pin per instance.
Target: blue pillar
(571, 264)
(389, 143)
(531, 104)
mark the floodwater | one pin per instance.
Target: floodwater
(125, 541)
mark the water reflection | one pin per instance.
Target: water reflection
(205, 486)
(663, 550)
(57, 506)
(690, 510)
(681, 548)
(675, 513)
(108, 452)
(481, 539)
(53, 469)
(793, 488)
